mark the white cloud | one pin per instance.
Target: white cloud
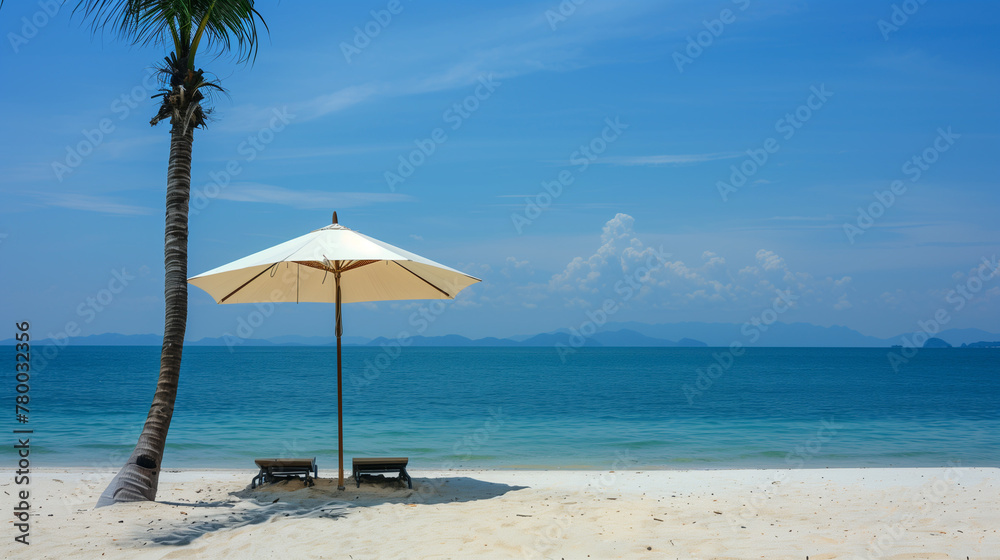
(514, 267)
(769, 260)
(842, 303)
(711, 259)
(620, 253)
(676, 284)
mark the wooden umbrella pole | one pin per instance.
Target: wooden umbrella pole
(340, 390)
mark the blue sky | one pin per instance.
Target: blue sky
(644, 125)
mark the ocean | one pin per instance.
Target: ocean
(603, 408)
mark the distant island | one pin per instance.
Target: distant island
(612, 334)
(619, 338)
(938, 343)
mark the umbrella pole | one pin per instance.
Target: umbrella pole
(340, 390)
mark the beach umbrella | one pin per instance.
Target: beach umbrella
(337, 265)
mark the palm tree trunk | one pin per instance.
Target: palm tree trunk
(139, 478)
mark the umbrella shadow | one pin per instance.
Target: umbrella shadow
(429, 491)
(291, 499)
(216, 504)
(181, 535)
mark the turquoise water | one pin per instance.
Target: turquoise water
(524, 407)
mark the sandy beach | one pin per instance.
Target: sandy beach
(817, 514)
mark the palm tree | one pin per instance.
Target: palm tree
(223, 26)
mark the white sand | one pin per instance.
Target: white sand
(820, 514)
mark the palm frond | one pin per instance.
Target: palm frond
(220, 26)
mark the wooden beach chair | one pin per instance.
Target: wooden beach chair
(369, 465)
(273, 469)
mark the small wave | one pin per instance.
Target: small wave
(765, 454)
(471, 457)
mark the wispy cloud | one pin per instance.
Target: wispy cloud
(271, 194)
(457, 76)
(337, 101)
(667, 159)
(253, 117)
(510, 43)
(90, 203)
(334, 151)
(826, 218)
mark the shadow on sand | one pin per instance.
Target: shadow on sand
(293, 500)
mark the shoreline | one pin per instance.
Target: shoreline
(525, 468)
(823, 513)
(326, 466)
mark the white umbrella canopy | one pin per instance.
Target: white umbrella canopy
(337, 265)
(304, 269)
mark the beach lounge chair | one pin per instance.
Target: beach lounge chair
(368, 465)
(273, 469)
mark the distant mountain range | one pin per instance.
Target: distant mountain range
(628, 334)
(619, 338)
